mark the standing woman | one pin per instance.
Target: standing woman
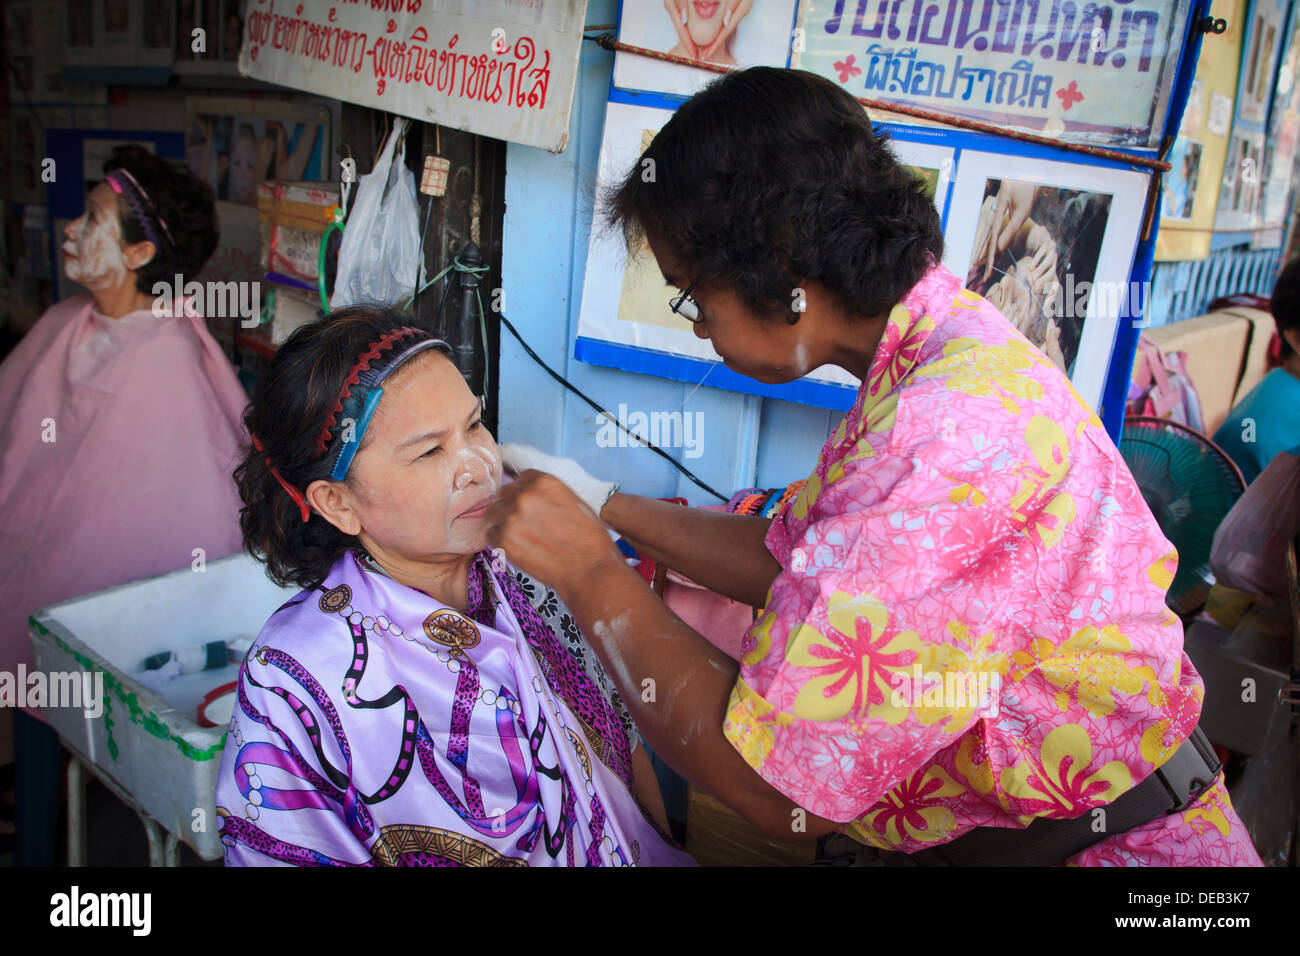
(963, 641)
(121, 428)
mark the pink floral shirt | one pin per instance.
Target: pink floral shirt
(970, 628)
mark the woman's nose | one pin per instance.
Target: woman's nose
(473, 467)
(70, 229)
(700, 329)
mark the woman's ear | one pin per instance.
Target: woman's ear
(139, 254)
(333, 501)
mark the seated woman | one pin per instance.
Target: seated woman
(419, 702)
(121, 427)
(1267, 420)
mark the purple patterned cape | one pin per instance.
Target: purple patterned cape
(376, 727)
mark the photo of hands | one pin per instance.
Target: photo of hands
(1035, 257)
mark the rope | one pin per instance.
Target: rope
(609, 42)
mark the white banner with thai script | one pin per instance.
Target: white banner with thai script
(500, 68)
(1088, 72)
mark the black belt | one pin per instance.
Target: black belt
(1172, 787)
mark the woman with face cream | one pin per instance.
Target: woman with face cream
(419, 702)
(122, 427)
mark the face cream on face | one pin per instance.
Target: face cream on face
(92, 247)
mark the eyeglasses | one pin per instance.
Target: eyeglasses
(685, 305)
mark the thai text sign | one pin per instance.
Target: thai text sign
(501, 68)
(1089, 72)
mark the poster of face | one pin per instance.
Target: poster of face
(1052, 250)
(625, 301)
(234, 150)
(759, 34)
(1182, 179)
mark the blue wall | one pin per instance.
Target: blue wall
(747, 440)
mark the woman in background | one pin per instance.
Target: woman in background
(1267, 420)
(122, 427)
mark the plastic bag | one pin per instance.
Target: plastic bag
(1161, 387)
(380, 254)
(1249, 551)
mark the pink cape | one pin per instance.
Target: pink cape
(145, 413)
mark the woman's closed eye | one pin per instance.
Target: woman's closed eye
(474, 426)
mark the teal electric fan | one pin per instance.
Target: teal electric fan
(1189, 483)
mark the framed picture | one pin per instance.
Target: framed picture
(762, 36)
(1052, 248)
(1181, 181)
(234, 144)
(625, 320)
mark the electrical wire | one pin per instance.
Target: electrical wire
(458, 266)
(638, 439)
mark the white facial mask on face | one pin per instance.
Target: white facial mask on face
(480, 458)
(96, 242)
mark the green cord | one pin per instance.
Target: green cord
(482, 331)
(407, 306)
(320, 259)
(459, 266)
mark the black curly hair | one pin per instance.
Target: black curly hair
(1285, 303)
(294, 399)
(175, 197)
(768, 177)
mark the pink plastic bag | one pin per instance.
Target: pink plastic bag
(1249, 551)
(1161, 387)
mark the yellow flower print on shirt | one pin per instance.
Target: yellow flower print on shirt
(911, 811)
(1063, 779)
(807, 496)
(973, 763)
(836, 471)
(1089, 667)
(972, 676)
(975, 368)
(1163, 570)
(1210, 810)
(744, 726)
(899, 349)
(1036, 507)
(851, 662)
(762, 631)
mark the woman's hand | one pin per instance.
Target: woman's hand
(677, 14)
(1010, 210)
(735, 12)
(548, 533)
(593, 491)
(1042, 249)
